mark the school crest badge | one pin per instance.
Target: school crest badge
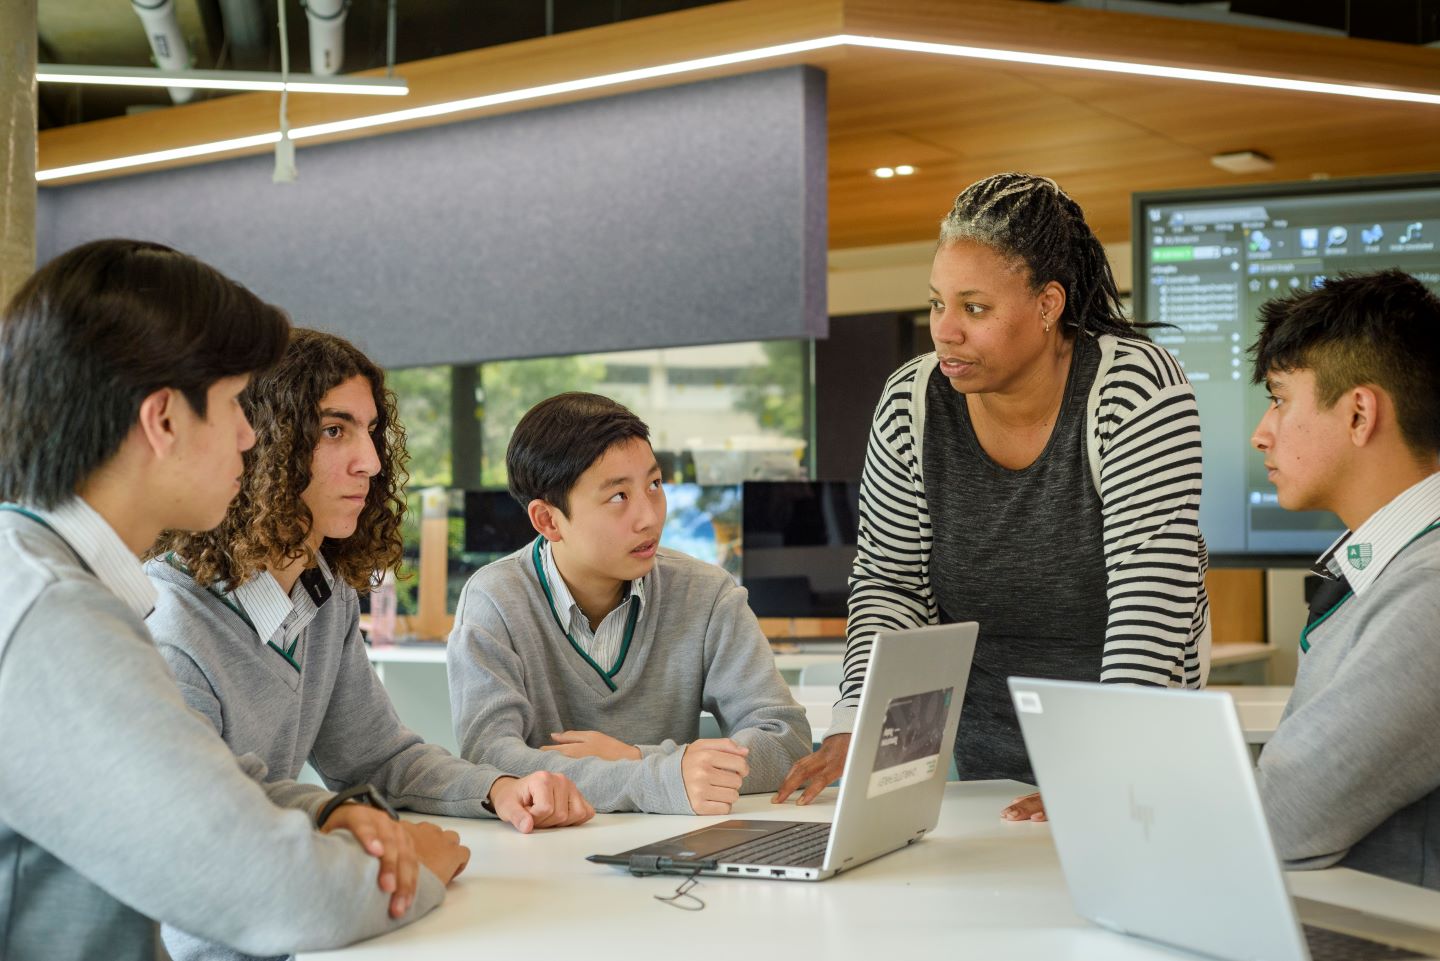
(1358, 555)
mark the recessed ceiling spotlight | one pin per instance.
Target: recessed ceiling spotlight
(904, 170)
(884, 173)
(1243, 162)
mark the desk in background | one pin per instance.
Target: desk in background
(1259, 708)
(978, 887)
(414, 676)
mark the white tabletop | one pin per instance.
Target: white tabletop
(1259, 708)
(978, 887)
(413, 652)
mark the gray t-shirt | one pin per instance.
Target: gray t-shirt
(1022, 553)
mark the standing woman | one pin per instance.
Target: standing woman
(1038, 473)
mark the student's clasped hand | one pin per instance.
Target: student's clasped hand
(438, 849)
(390, 841)
(592, 744)
(540, 800)
(713, 769)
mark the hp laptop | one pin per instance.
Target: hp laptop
(1158, 823)
(890, 792)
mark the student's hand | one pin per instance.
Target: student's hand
(438, 849)
(386, 838)
(592, 744)
(818, 770)
(1026, 807)
(540, 800)
(713, 769)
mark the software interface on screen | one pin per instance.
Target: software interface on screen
(1206, 264)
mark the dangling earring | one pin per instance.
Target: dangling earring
(1046, 318)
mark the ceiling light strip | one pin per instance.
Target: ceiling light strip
(745, 56)
(1145, 69)
(567, 86)
(442, 109)
(220, 80)
(160, 156)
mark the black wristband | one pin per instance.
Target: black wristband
(360, 794)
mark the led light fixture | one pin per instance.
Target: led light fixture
(755, 55)
(220, 80)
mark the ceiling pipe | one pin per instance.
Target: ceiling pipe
(247, 33)
(327, 34)
(167, 43)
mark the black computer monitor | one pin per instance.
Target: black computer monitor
(1205, 260)
(798, 545)
(701, 520)
(495, 523)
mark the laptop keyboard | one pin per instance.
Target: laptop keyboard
(801, 846)
(1327, 945)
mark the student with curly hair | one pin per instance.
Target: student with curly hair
(260, 618)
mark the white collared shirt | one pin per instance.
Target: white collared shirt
(603, 644)
(1362, 554)
(278, 616)
(92, 537)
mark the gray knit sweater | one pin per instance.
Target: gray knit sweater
(332, 711)
(1352, 774)
(120, 805)
(515, 679)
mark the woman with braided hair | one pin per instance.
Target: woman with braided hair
(1038, 473)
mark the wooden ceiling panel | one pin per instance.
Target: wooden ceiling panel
(1103, 136)
(862, 153)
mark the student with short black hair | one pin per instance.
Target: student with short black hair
(259, 618)
(1352, 773)
(593, 650)
(121, 366)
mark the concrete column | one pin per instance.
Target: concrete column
(17, 143)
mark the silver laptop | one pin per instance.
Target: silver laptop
(1158, 823)
(890, 792)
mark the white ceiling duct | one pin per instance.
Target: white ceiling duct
(167, 43)
(327, 34)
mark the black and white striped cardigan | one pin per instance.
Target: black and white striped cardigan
(1143, 439)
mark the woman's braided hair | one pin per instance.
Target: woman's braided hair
(1030, 219)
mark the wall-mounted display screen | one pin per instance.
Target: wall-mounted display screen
(1205, 261)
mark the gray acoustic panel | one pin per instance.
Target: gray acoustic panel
(685, 215)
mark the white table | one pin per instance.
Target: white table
(1259, 708)
(978, 887)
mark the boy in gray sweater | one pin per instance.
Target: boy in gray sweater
(120, 365)
(259, 617)
(1352, 775)
(592, 651)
